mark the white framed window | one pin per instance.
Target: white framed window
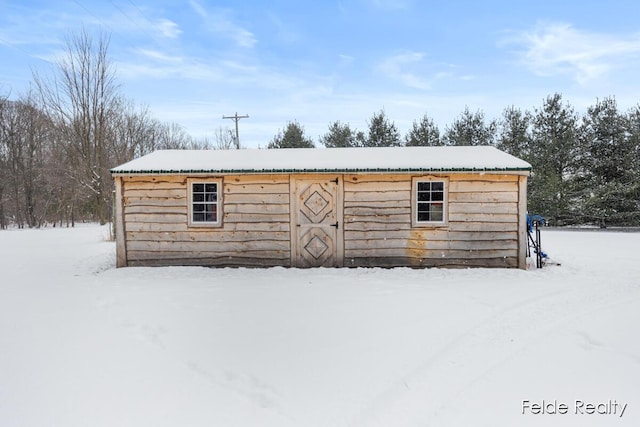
(205, 202)
(429, 201)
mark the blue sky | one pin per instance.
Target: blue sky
(192, 62)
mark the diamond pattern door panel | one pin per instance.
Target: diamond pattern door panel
(316, 223)
(317, 247)
(317, 204)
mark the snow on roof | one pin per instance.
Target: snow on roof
(368, 159)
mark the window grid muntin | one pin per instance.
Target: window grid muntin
(204, 202)
(430, 199)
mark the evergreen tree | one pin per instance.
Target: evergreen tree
(292, 137)
(633, 129)
(423, 133)
(470, 129)
(607, 176)
(554, 155)
(514, 132)
(341, 135)
(382, 132)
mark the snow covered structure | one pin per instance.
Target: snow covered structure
(391, 206)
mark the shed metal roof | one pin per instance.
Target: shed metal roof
(325, 160)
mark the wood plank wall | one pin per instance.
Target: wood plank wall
(255, 230)
(482, 229)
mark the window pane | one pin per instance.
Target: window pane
(437, 196)
(198, 188)
(437, 186)
(198, 197)
(424, 186)
(437, 212)
(423, 216)
(211, 211)
(424, 196)
(198, 207)
(198, 217)
(212, 197)
(211, 188)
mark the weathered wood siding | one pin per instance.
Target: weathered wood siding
(255, 227)
(485, 227)
(482, 230)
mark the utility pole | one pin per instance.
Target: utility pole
(236, 118)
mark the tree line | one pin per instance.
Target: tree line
(58, 142)
(585, 167)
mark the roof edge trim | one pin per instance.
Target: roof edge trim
(115, 172)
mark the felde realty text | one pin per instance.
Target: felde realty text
(578, 407)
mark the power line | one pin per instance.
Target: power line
(94, 15)
(136, 23)
(16, 46)
(125, 41)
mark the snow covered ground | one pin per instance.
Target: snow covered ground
(84, 344)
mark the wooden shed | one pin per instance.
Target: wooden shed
(388, 207)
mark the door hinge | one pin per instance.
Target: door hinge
(336, 225)
(335, 180)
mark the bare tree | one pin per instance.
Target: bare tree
(171, 136)
(35, 132)
(80, 100)
(225, 139)
(12, 148)
(134, 133)
(4, 163)
(24, 134)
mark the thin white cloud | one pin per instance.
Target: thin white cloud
(198, 8)
(346, 59)
(389, 4)
(158, 56)
(148, 63)
(162, 71)
(238, 67)
(136, 19)
(155, 64)
(401, 68)
(127, 20)
(166, 28)
(53, 24)
(219, 22)
(560, 49)
(283, 30)
(19, 30)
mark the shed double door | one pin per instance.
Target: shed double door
(316, 228)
